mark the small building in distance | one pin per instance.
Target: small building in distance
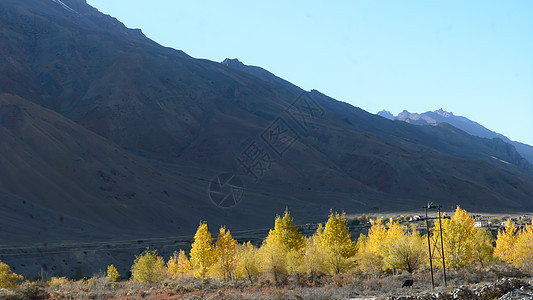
(481, 223)
(504, 223)
(416, 218)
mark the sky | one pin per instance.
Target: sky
(472, 58)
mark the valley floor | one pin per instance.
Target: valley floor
(495, 282)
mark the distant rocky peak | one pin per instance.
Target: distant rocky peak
(444, 113)
(232, 62)
(386, 114)
(471, 127)
(420, 119)
(406, 114)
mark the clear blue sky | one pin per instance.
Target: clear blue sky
(473, 58)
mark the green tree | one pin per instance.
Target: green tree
(112, 273)
(148, 267)
(202, 253)
(363, 218)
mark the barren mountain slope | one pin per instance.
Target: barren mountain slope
(142, 129)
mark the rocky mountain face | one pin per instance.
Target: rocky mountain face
(105, 130)
(56, 172)
(260, 73)
(465, 124)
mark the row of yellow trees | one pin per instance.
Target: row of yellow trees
(515, 246)
(386, 248)
(285, 251)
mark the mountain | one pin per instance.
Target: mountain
(55, 171)
(469, 126)
(260, 73)
(386, 114)
(104, 135)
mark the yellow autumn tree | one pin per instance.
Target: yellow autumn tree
(394, 232)
(226, 253)
(284, 238)
(8, 279)
(523, 249)
(295, 263)
(370, 248)
(483, 252)
(179, 266)
(287, 232)
(458, 237)
(315, 259)
(336, 240)
(148, 267)
(403, 250)
(202, 252)
(506, 241)
(273, 256)
(57, 281)
(112, 273)
(247, 262)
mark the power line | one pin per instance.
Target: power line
(70, 247)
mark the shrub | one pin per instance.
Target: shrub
(8, 279)
(32, 290)
(112, 273)
(99, 286)
(148, 267)
(57, 281)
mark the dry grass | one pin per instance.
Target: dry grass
(341, 286)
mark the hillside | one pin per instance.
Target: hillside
(60, 180)
(465, 124)
(125, 135)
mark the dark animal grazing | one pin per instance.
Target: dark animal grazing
(408, 283)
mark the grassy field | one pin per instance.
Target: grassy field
(489, 283)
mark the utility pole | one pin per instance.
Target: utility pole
(432, 206)
(442, 250)
(429, 245)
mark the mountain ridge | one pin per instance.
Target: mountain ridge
(106, 135)
(191, 120)
(463, 123)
